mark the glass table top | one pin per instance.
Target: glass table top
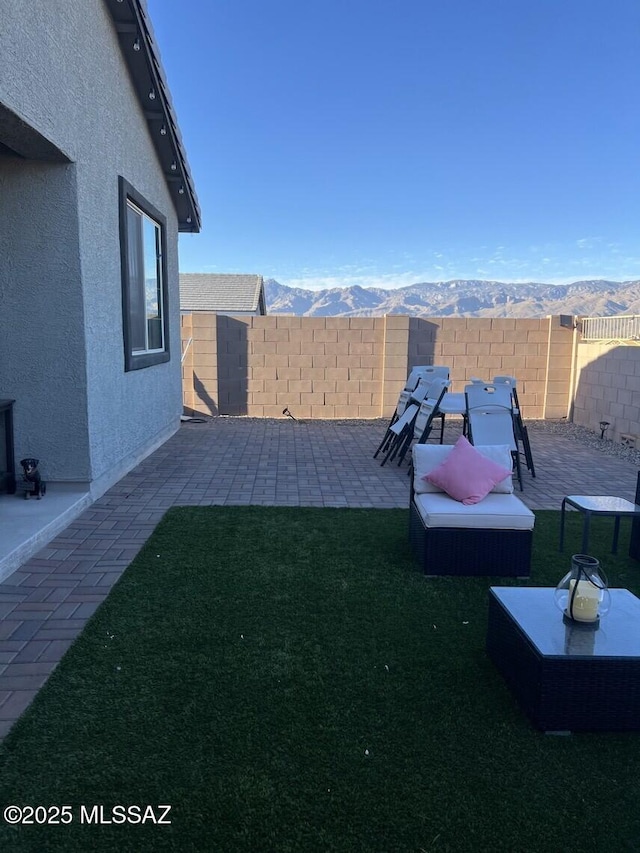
(603, 503)
(537, 615)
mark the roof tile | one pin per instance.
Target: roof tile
(229, 293)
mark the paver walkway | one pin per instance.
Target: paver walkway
(45, 604)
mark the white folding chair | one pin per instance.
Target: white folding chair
(403, 426)
(434, 370)
(416, 377)
(413, 378)
(427, 413)
(522, 434)
(406, 397)
(490, 419)
(399, 430)
(424, 370)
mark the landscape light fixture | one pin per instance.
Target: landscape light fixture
(604, 426)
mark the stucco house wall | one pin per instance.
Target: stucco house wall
(42, 348)
(61, 347)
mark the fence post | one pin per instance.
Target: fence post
(395, 360)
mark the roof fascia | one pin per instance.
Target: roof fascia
(142, 58)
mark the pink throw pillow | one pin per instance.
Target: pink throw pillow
(466, 475)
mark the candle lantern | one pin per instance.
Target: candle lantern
(583, 593)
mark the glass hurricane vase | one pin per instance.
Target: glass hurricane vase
(583, 593)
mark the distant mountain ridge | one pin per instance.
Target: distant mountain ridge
(458, 298)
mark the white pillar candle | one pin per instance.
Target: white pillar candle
(586, 601)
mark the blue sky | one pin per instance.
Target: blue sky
(383, 144)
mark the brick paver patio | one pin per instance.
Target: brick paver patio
(45, 604)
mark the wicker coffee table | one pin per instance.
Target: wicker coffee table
(567, 679)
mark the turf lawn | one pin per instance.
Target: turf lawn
(287, 680)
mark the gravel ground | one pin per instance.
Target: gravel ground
(585, 436)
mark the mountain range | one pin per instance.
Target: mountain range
(458, 298)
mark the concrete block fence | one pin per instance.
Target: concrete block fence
(607, 388)
(355, 367)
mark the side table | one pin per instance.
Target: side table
(598, 505)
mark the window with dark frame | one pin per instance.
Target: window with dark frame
(144, 280)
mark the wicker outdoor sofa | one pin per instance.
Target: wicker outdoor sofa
(490, 537)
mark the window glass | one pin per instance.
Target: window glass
(153, 283)
(136, 281)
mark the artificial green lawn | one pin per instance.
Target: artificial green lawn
(287, 680)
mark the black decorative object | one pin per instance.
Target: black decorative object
(7, 464)
(583, 593)
(33, 484)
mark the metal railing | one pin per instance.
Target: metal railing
(621, 328)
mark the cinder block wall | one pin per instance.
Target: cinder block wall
(607, 388)
(200, 363)
(479, 347)
(338, 367)
(330, 367)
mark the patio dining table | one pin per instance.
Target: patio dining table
(454, 404)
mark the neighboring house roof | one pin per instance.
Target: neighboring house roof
(142, 57)
(229, 294)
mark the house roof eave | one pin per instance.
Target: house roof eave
(142, 57)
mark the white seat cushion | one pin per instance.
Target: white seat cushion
(495, 512)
